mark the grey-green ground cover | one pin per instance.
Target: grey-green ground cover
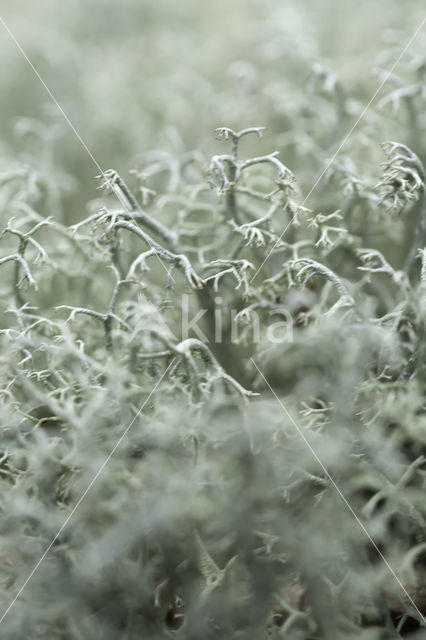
(221, 513)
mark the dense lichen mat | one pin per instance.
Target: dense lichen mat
(212, 357)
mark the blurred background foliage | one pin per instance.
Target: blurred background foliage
(137, 75)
